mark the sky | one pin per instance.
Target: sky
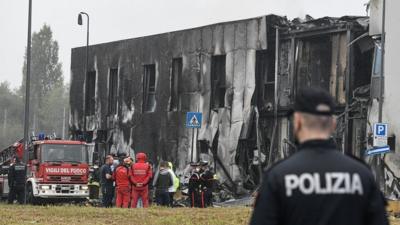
(112, 20)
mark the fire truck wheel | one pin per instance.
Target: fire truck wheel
(30, 199)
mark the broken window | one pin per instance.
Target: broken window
(112, 91)
(314, 62)
(218, 81)
(149, 88)
(90, 98)
(176, 77)
(265, 80)
(203, 146)
(269, 81)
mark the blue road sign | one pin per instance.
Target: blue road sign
(380, 129)
(380, 134)
(380, 150)
(193, 119)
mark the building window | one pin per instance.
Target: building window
(113, 91)
(176, 77)
(218, 81)
(149, 88)
(268, 73)
(90, 99)
(265, 80)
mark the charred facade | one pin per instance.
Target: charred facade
(242, 75)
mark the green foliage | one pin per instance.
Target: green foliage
(51, 112)
(48, 95)
(11, 115)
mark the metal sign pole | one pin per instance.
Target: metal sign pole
(192, 154)
(193, 121)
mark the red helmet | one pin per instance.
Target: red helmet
(141, 157)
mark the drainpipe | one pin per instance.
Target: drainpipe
(380, 159)
(382, 82)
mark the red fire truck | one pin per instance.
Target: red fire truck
(57, 170)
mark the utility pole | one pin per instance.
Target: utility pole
(27, 82)
(27, 87)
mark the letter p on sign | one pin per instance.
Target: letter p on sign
(380, 129)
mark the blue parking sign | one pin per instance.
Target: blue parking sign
(380, 135)
(380, 129)
(194, 119)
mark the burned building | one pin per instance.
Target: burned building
(242, 75)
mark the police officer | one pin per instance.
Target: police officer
(318, 184)
(107, 183)
(208, 181)
(16, 181)
(195, 185)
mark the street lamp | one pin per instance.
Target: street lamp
(86, 65)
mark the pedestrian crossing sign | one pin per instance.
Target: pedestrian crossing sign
(194, 119)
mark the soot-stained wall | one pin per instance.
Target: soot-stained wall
(162, 133)
(239, 137)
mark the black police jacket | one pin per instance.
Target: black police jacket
(319, 185)
(17, 174)
(207, 179)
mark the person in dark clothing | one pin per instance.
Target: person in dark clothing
(195, 186)
(318, 184)
(162, 182)
(16, 182)
(208, 181)
(106, 181)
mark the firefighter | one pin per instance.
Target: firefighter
(318, 184)
(207, 179)
(16, 181)
(123, 183)
(141, 173)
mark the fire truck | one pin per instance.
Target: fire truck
(57, 170)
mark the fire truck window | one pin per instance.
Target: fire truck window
(64, 153)
(35, 152)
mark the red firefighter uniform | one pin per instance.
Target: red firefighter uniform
(123, 185)
(140, 178)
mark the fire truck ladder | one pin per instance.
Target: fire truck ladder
(8, 153)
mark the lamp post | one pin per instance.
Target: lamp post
(86, 65)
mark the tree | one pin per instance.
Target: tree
(54, 111)
(46, 77)
(11, 115)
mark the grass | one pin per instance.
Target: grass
(46, 215)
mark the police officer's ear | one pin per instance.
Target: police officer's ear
(297, 122)
(334, 124)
